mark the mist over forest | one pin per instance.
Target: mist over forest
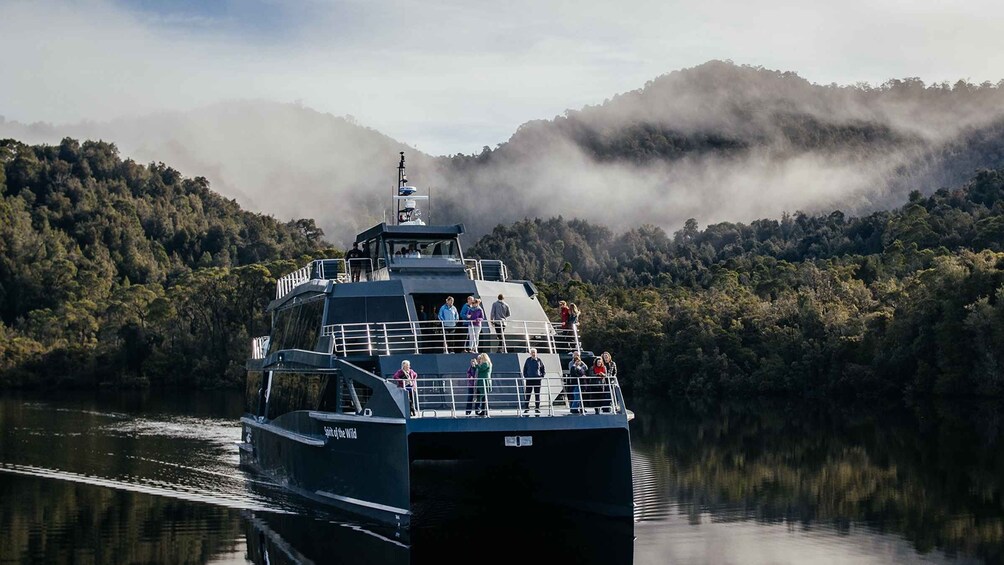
(714, 142)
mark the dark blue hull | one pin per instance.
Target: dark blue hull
(382, 467)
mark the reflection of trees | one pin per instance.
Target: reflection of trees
(932, 473)
(62, 522)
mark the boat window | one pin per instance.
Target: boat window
(297, 327)
(295, 391)
(419, 248)
(369, 309)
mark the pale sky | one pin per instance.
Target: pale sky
(451, 76)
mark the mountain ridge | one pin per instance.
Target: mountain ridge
(716, 142)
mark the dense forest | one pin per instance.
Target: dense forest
(905, 301)
(122, 274)
(114, 273)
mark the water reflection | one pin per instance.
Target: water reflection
(154, 478)
(928, 474)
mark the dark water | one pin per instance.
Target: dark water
(153, 478)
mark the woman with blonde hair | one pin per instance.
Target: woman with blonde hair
(484, 384)
(611, 367)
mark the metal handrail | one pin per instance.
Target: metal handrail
(322, 267)
(475, 269)
(435, 336)
(259, 347)
(454, 396)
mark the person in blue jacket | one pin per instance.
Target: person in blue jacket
(449, 317)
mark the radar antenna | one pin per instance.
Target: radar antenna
(406, 199)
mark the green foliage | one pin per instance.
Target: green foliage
(119, 274)
(907, 301)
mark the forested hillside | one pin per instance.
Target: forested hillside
(907, 301)
(113, 273)
(121, 273)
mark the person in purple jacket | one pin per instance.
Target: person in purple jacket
(407, 379)
(475, 315)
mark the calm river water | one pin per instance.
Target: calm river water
(153, 478)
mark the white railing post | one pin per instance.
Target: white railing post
(386, 341)
(526, 335)
(610, 390)
(519, 397)
(575, 336)
(446, 345)
(582, 401)
(418, 395)
(453, 401)
(414, 335)
(550, 399)
(369, 340)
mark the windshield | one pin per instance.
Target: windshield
(424, 248)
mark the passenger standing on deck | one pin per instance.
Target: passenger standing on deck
(355, 259)
(563, 310)
(566, 331)
(408, 380)
(573, 316)
(500, 313)
(476, 315)
(448, 316)
(472, 379)
(484, 384)
(465, 321)
(597, 390)
(608, 362)
(533, 371)
(576, 371)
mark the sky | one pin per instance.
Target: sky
(451, 77)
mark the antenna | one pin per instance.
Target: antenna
(402, 180)
(405, 197)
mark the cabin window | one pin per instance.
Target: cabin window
(298, 391)
(424, 248)
(369, 309)
(298, 326)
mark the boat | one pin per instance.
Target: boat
(326, 419)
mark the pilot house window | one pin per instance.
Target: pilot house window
(298, 326)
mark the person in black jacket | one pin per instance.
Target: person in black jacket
(533, 371)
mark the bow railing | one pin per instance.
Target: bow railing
(458, 396)
(323, 269)
(486, 270)
(437, 336)
(259, 347)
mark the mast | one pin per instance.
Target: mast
(406, 199)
